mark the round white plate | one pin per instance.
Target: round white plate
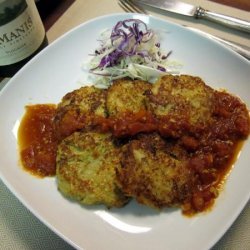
(53, 73)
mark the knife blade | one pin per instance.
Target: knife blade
(186, 9)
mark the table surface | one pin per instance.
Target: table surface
(19, 228)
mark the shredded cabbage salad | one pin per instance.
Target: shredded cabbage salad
(132, 50)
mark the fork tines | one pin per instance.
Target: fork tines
(130, 6)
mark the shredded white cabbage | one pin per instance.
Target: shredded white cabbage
(147, 62)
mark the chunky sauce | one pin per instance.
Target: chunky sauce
(37, 142)
(210, 151)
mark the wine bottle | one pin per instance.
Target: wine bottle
(22, 34)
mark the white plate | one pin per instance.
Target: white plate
(53, 73)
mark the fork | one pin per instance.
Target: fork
(130, 6)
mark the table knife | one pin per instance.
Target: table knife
(197, 12)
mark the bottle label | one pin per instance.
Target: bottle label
(21, 30)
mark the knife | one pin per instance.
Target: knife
(197, 12)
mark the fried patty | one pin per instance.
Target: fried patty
(181, 98)
(153, 172)
(85, 169)
(77, 110)
(127, 96)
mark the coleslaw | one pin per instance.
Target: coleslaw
(130, 49)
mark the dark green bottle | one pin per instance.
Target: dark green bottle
(22, 34)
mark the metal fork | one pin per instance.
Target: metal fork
(130, 6)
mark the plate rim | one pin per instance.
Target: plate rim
(22, 199)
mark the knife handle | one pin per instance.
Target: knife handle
(228, 21)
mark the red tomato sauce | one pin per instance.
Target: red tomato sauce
(37, 141)
(210, 151)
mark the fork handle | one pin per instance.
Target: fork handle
(228, 21)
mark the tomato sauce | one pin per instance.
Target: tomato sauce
(213, 151)
(210, 151)
(37, 141)
(127, 124)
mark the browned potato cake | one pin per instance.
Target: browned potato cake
(86, 163)
(126, 96)
(152, 173)
(183, 97)
(77, 109)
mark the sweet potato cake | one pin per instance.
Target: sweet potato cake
(77, 109)
(86, 163)
(154, 172)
